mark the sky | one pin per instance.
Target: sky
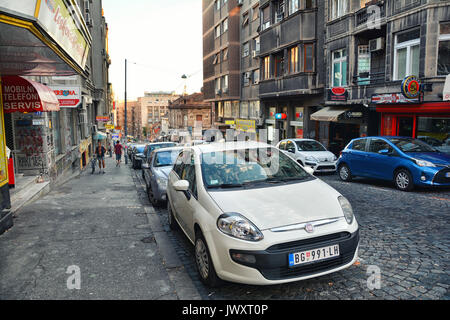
(161, 40)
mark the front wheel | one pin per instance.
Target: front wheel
(403, 180)
(204, 263)
(345, 173)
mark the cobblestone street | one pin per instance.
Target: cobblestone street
(405, 235)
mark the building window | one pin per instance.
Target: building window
(338, 8)
(293, 60)
(225, 25)
(265, 18)
(227, 109)
(278, 13)
(266, 67)
(255, 76)
(245, 19)
(225, 83)
(404, 4)
(217, 4)
(246, 78)
(216, 59)
(309, 4)
(443, 61)
(293, 6)
(225, 54)
(256, 44)
(255, 13)
(217, 31)
(278, 64)
(309, 58)
(244, 110)
(363, 65)
(245, 50)
(407, 54)
(235, 109)
(217, 85)
(339, 68)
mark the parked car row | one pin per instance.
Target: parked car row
(256, 214)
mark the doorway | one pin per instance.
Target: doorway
(405, 126)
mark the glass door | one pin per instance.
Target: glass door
(405, 126)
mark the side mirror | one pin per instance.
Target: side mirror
(309, 170)
(291, 150)
(384, 152)
(181, 185)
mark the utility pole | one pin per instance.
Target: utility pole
(126, 120)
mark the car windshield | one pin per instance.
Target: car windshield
(309, 146)
(247, 167)
(412, 145)
(165, 158)
(140, 149)
(159, 146)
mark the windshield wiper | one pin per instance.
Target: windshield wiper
(226, 186)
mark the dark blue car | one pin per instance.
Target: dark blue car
(406, 161)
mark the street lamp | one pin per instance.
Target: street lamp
(125, 125)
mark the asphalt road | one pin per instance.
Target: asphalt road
(404, 235)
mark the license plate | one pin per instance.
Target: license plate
(313, 255)
(447, 174)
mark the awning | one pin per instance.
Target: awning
(328, 114)
(23, 95)
(100, 136)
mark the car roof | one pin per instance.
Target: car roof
(156, 143)
(231, 145)
(168, 149)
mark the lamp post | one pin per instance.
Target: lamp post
(126, 120)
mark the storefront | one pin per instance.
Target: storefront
(428, 121)
(337, 126)
(37, 39)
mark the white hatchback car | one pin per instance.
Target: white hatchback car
(309, 152)
(255, 216)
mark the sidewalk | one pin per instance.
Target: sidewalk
(95, 223)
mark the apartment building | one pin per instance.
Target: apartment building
(386, 65)
(154, 106)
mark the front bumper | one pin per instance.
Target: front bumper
(273, 263)
(428, 176)
(322, 166)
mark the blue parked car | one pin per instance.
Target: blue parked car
(406, 161)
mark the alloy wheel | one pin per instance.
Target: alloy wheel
(201, 256)
(402, 180)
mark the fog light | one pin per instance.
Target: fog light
(240, 257)
(423, 178)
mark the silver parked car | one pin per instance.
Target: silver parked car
(156, 172)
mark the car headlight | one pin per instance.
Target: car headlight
(346, 208)
(311, 158)
(424, 163)
(237, 226)
(161, 181)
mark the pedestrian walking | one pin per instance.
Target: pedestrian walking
(100, 151)
(118, 151)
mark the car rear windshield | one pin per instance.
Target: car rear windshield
(309, 146)
(249, 167)
(140, 149)
(160, 146)
(165, 158)
(412, 145)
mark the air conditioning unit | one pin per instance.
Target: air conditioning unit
(259, 121)
(240, 2)
(88, 19)
(218, 91)
(376, 44)
(225, 90)
(86, 5)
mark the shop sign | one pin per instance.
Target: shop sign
(296, 123)
(353, 114)
(56, 18)
(3, 158)
(299, 134)
(246, 125)
(25, 7)
(337, 94)
(109, 126)
(229, 122)
(446, 93)
(102, 119)
(411, 87)
(68, 97)
(84, 145)
(391, 98)
(281, 116)
(270, 121)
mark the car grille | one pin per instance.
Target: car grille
(440, 176)
(303, 271)
(311, 241)
(326, 168)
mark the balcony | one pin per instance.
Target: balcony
(370, 15)
(303, 83)
(366, 78)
